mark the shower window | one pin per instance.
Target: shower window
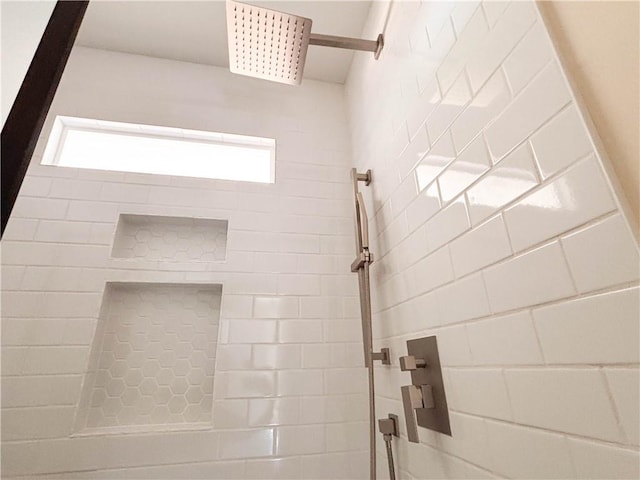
(126, 147)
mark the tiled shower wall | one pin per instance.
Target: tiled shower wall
(288, 398)
(498, 231)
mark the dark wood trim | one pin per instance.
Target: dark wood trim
(26, 117)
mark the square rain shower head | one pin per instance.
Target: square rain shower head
(267, 44)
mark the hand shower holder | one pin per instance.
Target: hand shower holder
(364, 257)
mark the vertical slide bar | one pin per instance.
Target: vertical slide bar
(362, 246)
(368, 342)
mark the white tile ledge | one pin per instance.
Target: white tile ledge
(142, 429)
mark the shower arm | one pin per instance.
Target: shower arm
(334, 41)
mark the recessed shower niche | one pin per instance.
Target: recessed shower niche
(152, 360)
(170, 239)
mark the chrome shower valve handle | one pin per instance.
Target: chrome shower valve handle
(409, 363)
(414, 397)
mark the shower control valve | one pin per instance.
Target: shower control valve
(424, 401)
(409, 363)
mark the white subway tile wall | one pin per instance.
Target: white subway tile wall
(289, 366)
(513, 251)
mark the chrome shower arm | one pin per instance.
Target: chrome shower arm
(374, 46)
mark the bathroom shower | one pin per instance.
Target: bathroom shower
(179, 295)
(272, 45)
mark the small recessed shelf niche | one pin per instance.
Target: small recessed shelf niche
(151, 366)
(170, 239)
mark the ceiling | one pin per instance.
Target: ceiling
(196, 31)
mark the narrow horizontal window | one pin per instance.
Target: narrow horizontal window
(126, 147)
